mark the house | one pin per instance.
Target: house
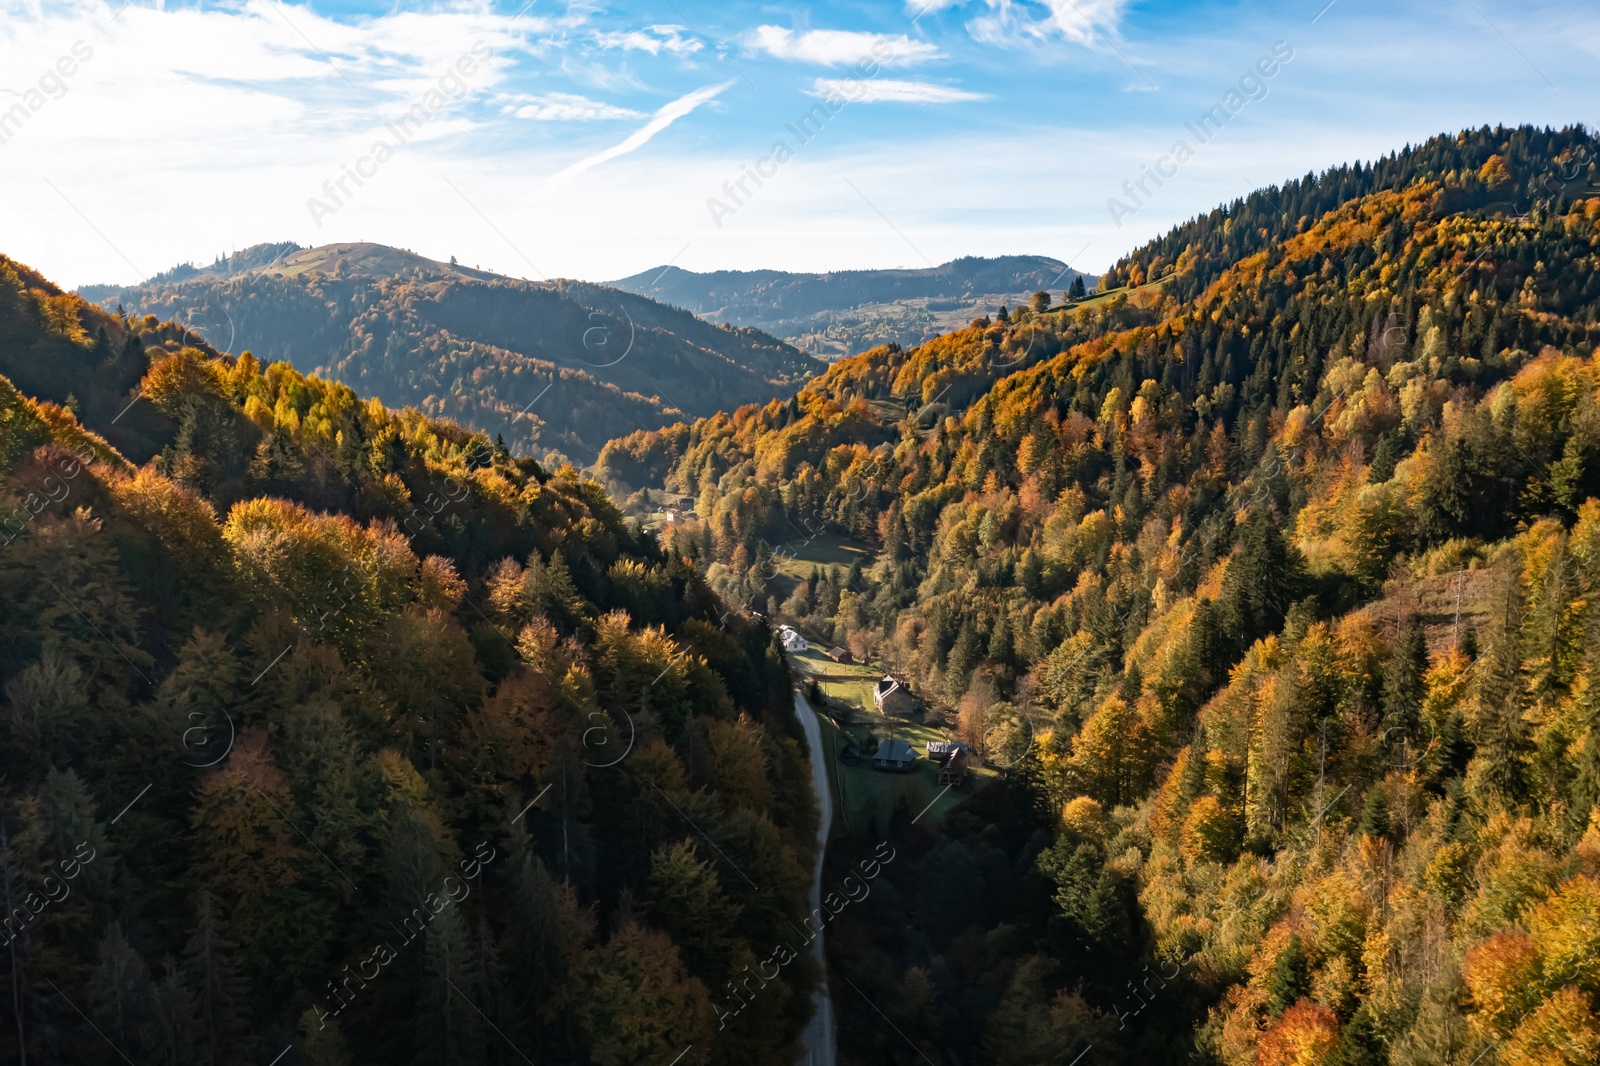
(894, 755)
(792, 641)
(954, 770)
(840, 655)
(851, 753)
(891, 697)
(940, 751)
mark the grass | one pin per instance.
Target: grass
(1123, 290)
(801, 554)
(866, 798)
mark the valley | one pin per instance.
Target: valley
(1198, 670)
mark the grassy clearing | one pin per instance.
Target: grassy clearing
(866, 798)
(800, 555)
(812, 663)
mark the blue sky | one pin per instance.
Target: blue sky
(595, 141)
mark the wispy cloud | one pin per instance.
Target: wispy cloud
(1086, 22)
(569, 107)
(674, 40)
(831, 48)
(891, 90)
(663, 118)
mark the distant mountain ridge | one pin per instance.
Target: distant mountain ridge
(845, 311)
(555, 368)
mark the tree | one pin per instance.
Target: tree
(684, 896)
(220, 992)
(249, 860)
(1403, 674)
(639, 1005)
(446, 1021)
(1209, 833)
(1039, 301)
(1262, 579)
(119, 989)
(1564, 1031)
(173, 1031)
(1304, 1035)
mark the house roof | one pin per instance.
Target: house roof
(893, 750)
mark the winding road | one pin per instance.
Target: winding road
(818, 1037)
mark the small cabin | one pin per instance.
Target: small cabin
(892, 698)
(894, 755)
(840, 655)
(954, 769)
(940, 751)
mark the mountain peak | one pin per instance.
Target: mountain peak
(366, 259)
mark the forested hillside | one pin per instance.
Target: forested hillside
(847, 311)
(334, 734)
(554, 369)
(1270, 578)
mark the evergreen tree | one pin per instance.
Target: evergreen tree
(119, 990)
(221, 994)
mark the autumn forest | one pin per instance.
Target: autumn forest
(1260, 579)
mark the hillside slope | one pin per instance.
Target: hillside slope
(555, 369)
(847, 311)
(330, 727)
(1269, 580)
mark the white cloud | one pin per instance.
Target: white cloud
(1086, 22)
(673, 40)
(663, 118)
(832, 48)
(569, 107)
(890, 90)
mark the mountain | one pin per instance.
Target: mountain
(1268, 584)
(844, 312)
(553, 368)
(331, 726)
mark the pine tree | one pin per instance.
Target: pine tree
(1403, 689)
(222, 999)
(172, 1033)
(684, 897)
(963, 657)
(119, 990)
(446, 1023)
(22, 994)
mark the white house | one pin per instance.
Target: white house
(792, 641)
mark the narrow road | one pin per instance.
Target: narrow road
(818, 1037)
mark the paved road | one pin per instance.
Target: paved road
(818, 1037)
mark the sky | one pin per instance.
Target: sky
(571, 139)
